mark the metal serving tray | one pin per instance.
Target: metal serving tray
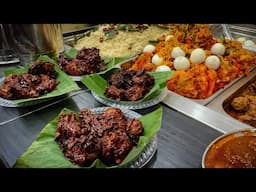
(220, 103)
(241, 30)
(227, 103)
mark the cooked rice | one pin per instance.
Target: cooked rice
(124, 43)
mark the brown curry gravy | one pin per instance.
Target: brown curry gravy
(237, 150)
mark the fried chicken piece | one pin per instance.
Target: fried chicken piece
(87, 61)
(68, 126)
(42, 67)
(115, 146)
(26, 86)
(134, 130)
(240, 103)
(19, 86)
(135, 93)
(46, 85)
(113, 119)
(115, 93)
(250, 114)
(79, 146)
(83, 153)
(129, 85)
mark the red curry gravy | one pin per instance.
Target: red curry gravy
(237, 150)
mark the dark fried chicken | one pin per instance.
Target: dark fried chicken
(108, 136)
(134, 130)
(115, 146)
(39, 81)
(79, 146)
(26, 86)
(87, 61)
(42, 67)
(129, 85)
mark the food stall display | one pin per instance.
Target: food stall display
(203, 64)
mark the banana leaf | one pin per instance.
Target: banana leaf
(66, 84)
(45, 152)
(98, 83)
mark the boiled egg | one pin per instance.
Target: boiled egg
(163, 68)
(149, 48)
(168, 37)
(181, 63)
(197, 56)
(218, 49)
(249, 43)
(156, 59)
(241, 39)
(212, 62)
(177, 51)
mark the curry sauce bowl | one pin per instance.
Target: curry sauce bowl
(232, 150)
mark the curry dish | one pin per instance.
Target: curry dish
(237, 150)
(243, 105)
(197, 80)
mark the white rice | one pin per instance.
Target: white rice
(124, 43)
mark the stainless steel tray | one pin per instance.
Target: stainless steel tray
(219, 102)
(128, 62)
(227, 103)
(235, 31)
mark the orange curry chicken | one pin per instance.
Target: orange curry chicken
(202, 63)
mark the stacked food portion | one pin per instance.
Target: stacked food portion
(86, 61)
(39, 80)
(109, 136)
(34, 83)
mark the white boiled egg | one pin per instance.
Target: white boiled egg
(197, 56)
(163, 68)
(156, 60)
(218, 49)
(149, 48)
(181, 63)
(241, 39)
(249, 43)
(177, 51)
(212, 62)
(168, 37)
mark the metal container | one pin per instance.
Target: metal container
(32, 40)
(247, 31)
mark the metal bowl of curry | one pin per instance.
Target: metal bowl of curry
(232, 150)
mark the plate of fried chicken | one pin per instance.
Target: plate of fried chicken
(33, 84)
(86, 61)
(129, 89)
(103, 137)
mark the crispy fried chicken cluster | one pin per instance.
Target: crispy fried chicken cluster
(39, 80)
(108, 136)
(87, 61)
(42, 67)
(129, 85)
